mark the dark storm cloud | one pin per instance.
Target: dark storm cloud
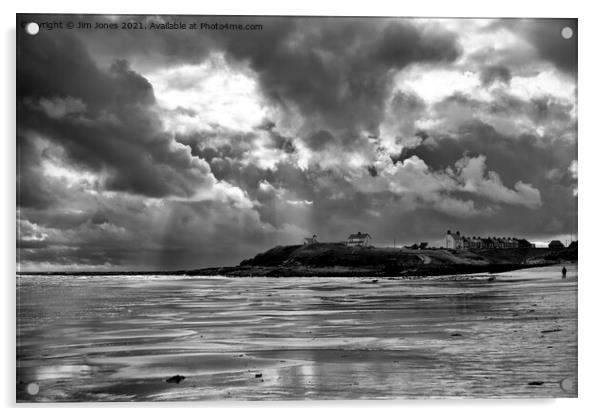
(459, 100)
(510, 156)
(286, 144)
(404, 102)
(525, 158)
(116, 129)
(490, 74)
(545, 35)
(85, 103)
(320, 139)
(510, 114)
(279, 141)
(32, 189)
(338, 73)
(220, 148)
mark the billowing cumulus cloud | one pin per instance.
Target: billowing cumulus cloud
(475, 179)
(179, 149)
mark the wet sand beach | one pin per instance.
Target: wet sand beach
(118, 338)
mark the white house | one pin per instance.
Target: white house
(454, 240)
(359, 240)
(311, 240)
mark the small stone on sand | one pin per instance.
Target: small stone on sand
(545, 331)
(175, 379)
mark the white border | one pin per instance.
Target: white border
(589, 186)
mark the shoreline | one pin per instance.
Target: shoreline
(246, 271)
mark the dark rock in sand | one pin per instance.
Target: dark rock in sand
(545, 331)
(175, 379)
(456, 334)
(258, 375)
(535, 383)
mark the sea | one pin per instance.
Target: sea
(128, 338)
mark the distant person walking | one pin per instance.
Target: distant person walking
(564, 272)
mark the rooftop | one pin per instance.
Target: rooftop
(358, 235)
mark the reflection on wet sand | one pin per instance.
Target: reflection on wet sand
(119, 338)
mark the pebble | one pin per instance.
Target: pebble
(175, 379)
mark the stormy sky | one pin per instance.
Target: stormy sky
(173, 149)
